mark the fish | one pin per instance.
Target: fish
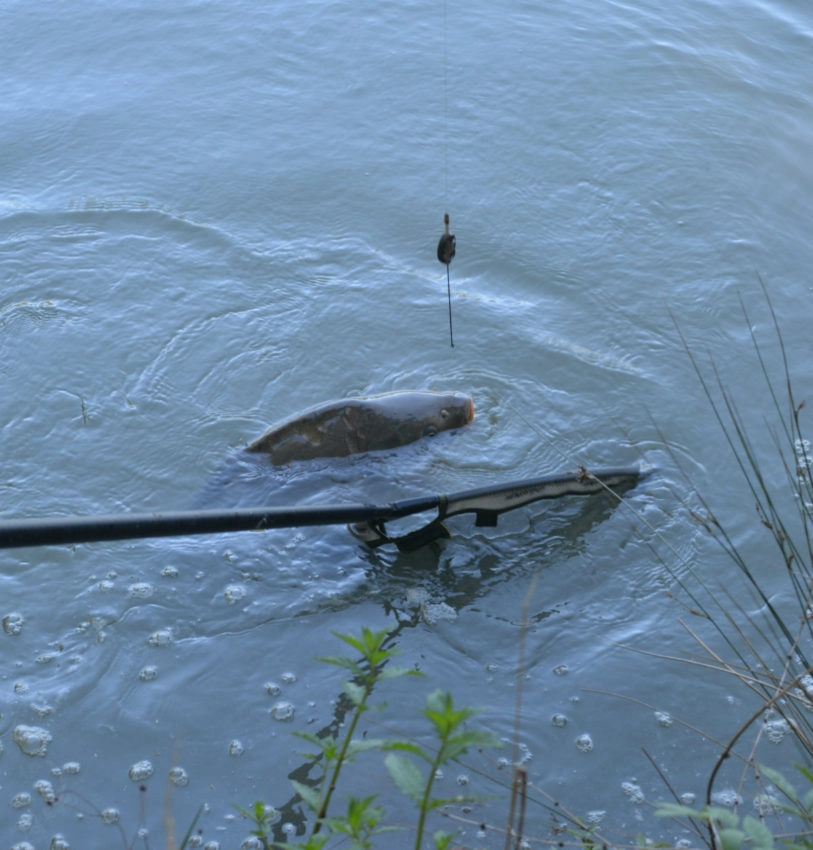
(354, 425)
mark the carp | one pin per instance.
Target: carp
(353, 425)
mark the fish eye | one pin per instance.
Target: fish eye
(430, 431)
(444, 414)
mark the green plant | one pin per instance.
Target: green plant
(729, 830)
(454, 740)
(362, 820)
(262, 817)
(372, 668)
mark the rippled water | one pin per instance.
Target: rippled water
(214, 215)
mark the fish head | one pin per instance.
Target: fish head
(443, 411)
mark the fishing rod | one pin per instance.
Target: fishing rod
(366, 522)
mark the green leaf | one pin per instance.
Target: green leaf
(781, 783)
(406, 776)
(675, 810)
(328, 745)
(314, 842)
(759, 834)
(341, 661)
(721, 815)
(457, 800)
(356, 693)
(356, 643)
(407, 746)
(188, 835)
(455, 747)
(443, 839)
(393, 672)
(369, 644)
(361, 745)
(441, 711)
(731, 839)
(310, 795)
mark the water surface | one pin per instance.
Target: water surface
(215, 215)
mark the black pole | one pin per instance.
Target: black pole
(62, 530)
(486, 502)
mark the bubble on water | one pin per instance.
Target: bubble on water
(110, 815)
(234, 593)
(178, 776)
(251, 843)
(44, 788)
(559, 720)
(462, 779)
(140, 590)
(503, 762)
(105, 585)
(633, 791)
(273, 689)
(596, 816)
(688, 798)
(776, 729)
(161, 637)
(20, 688)
(767, 804)
(23, 845)
(283, 710)
(194, 841)
(45, 657)
(561, 670)
(13, 623)
(288, 678)
(59, 842)
(416, 596)
(32, 740)
(435, 612)
(492, 668)
(25, 822)
(664, 718)
(236, 748)
(140, 771)
(584, 743)
(148, 673)
(56, 771)
(42, 709)
(727, 797)
(169, 571)
(684, 843)
(211, 845)
(21, 800)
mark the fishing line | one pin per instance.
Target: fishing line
(445, 112)
(446, 245)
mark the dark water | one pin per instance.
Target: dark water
(214, 215)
